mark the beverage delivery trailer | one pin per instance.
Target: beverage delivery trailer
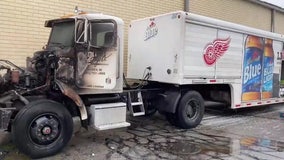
(180, 59)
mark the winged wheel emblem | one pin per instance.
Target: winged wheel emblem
(215, 50)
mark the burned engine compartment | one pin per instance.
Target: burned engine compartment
(40, 69)
(12, 77)
(16, 84)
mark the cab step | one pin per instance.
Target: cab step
(136, 108)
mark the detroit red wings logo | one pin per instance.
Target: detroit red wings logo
(215, 50)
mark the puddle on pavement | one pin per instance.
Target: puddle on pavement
(251, 142)
(184, 148)
(189, 148)
(226, 146)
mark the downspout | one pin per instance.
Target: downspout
(272, 20)
(186, 5)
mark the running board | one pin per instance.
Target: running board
(112, 126)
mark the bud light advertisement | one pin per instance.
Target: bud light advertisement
(258, 69)
(268, 65)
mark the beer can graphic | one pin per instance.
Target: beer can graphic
(268, 65)
(252, 68)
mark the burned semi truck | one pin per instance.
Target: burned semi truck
(179, 59)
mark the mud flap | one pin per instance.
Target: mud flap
(5, 114)
(168, 101)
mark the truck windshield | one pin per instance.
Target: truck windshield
(102, 34)
(62, 34)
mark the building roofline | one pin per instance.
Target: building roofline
(268, 5)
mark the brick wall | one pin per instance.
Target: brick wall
(237, 11)
(21, 28)
(22, 32)
(279, 22)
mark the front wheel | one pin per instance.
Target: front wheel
(190, 110)
(42, 128)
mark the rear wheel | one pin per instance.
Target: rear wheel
(190, 110)
(42, 128)
(149, 105)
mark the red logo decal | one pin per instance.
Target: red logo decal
(215, 50)
(151, 31)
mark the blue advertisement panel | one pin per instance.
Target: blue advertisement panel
(258, 69)
(268, 65)
(252, 69)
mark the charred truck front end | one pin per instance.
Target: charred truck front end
(80, 66)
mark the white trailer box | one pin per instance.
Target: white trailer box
(184, 48)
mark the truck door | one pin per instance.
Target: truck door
(97, 59)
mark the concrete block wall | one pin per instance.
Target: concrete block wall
(279, 22)
(238, 11)
(243, 12)
(21, 21)
(22, 29)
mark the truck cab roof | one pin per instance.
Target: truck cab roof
(88, 16)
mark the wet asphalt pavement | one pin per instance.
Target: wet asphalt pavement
(248, 134)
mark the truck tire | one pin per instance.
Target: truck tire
(42, 128)
(190, 110)
(149, 107)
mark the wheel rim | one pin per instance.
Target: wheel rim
(45, 129)
(192, 108)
